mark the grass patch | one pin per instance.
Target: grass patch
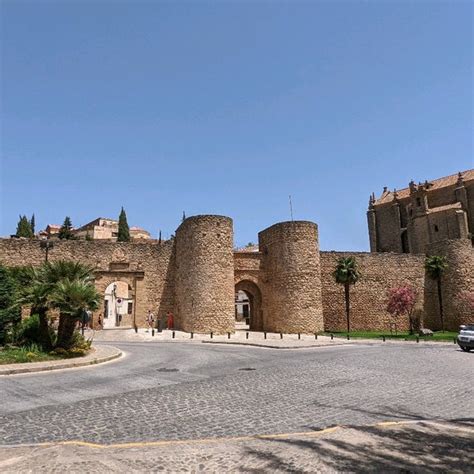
(34, 353)
(401, 335)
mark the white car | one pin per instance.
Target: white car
(466, 337)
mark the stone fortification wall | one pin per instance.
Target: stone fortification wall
(292, 290)
(457, 280)
(368, 297)
(147, 267)
(204, 284)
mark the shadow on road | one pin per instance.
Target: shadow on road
(424, 446)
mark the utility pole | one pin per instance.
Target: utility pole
(291, 208)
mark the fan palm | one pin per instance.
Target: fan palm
(35, 292)
(347, 274)
(40, 284)
(72, 298)
(435, 266)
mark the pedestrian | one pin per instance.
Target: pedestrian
(149, 320)
(170, 320)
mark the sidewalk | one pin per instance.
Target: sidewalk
(98, 355)
(272, 340)
(239, 337)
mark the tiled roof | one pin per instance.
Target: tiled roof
(388, 196)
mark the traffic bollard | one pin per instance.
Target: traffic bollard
(212, 334)
(192, 335)
(299, 336)
(383, 338)
(417, 339)
(264, 335)
(281, 335)
(173, 334)
(316, 335)
(152, 332)
(332, 337)
(228, 335)
(246, 335)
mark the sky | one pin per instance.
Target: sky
(223, 107)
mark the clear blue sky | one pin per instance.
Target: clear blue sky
(229, 107)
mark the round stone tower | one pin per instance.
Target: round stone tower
(292, 277)
(204, 281)
(456, 283)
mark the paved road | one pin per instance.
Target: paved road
(192, 391)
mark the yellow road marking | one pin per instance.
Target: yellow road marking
(176, 442)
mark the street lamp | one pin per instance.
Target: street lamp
(46, 244)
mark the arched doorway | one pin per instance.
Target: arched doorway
(248, 305)
(118, 305)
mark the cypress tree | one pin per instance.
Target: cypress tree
(33, 224)
(65, 232)
(123, 229)
(23, 228)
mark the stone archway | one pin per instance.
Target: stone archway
(118, 305)
(133, 308)
(255, 302)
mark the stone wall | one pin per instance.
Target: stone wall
(289, 282)
(204, 284)
(292, 289)
(368, 297)
(147, 267)
(457, 280)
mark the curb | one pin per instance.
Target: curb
(99, 356)
(267, 346)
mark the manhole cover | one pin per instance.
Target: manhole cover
(165, 369)
(247, 368)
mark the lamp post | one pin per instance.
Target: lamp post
(46, 244)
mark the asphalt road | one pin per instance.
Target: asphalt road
(193, 391)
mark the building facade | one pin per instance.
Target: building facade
(101, 228)
(411, 219)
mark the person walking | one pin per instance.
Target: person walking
(150, 320)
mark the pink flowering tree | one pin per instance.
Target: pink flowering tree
(401, 302)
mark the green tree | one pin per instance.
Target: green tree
(72, 297)
(435, 266)
(9, 313)
(123, 229)
(40, 284)
(65, 232)
(33, 224)
(35, 292)
(23, 228)
(347, 274)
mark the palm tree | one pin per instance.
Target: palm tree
(35, 292)
(435, 266)
(41, 283)
(65, 269)
(72, 298)
(347, 274)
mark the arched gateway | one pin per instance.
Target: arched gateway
(254, 296)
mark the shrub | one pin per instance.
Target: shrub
(26, 331)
